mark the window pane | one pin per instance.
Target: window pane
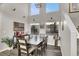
(52, 7)
(34, 10)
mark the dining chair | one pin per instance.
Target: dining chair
(23, 47)
(45, 42)
(39, 49)
(42, 47)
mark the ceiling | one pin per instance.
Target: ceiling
(16, 10)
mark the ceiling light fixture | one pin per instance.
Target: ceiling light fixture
(51, 17)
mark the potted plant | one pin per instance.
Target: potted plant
(9, 42)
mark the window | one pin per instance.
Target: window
(34, 10)
(52, 7)
(51, 27)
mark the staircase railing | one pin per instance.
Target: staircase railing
(73, 35)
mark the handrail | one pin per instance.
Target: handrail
(70, 23)
(72, 40)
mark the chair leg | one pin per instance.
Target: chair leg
(33, 53)
(44, 49)
(38, 52)
(41, 53)
(19, 53)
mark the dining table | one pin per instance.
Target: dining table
(35, 42)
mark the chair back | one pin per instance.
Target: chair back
(44, 43)
(45, 39)
(22, 45)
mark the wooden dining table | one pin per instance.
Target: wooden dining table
(35, 42)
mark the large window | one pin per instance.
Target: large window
(34, 9)
(52, 7)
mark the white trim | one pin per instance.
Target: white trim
(4, 49)
(35, 24)
(48, 23)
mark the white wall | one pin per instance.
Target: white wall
(46, 18)
(6, 23)
(1, 45)
(5, 26)
(74, 16)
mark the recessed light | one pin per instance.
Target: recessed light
(24, 16)
(51, 17)
(14, 9)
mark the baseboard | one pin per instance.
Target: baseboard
(5, 49)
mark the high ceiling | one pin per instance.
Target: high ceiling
(17, 10)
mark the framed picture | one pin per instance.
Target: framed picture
(18, 26)
(73, 7)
